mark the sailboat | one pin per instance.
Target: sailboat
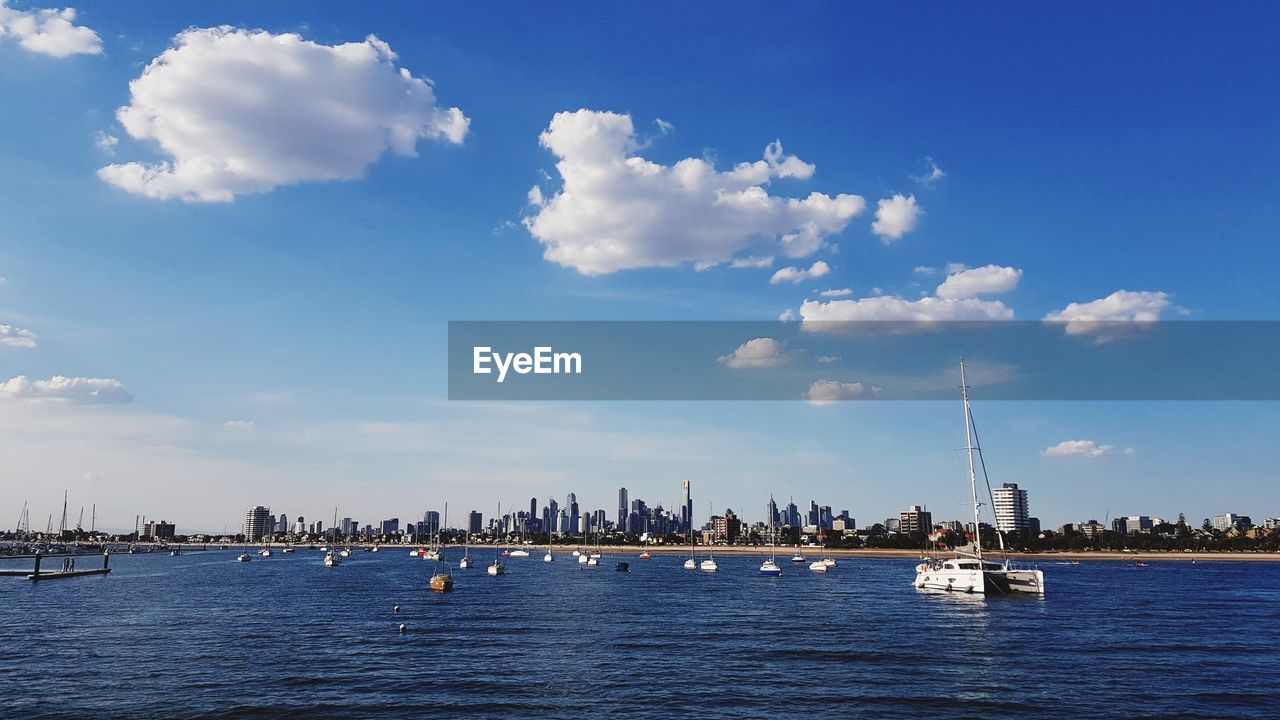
(548, 557)
(244, 556)
(968, 571)
(691, 563)
(442, 580)
(770, 565)
(266, 550)
(434, 553)
(520, 551)
(497, 568)
(465, 562)
(331, 559)
(709, 565)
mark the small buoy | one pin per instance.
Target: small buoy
(402, 627)
(396, 609)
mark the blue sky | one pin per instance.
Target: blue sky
(1087, 151)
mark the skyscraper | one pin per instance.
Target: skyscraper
(622, 509)
(257, 522)
(1010, 505)
(914, 519)
(476, 523)
(431, 522)
(686, 506)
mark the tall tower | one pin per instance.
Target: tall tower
(622, 509)
(686, 508)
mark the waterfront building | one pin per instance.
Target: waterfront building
(915, 519)
(158, 530)
(686, 506)
(257, 522)
(430, 522)
(726, 528)
(1227, 521)
(1132, 524)
(1010, 506)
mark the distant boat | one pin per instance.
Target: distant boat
(519, 553)
(331, 559)
(375, 549)
(709, 565)
(465, 562)
(770, 567)
(968, 571)
(583, 559)
(548, 557)
(287, 550)
(497, 568)
(593, 561)
(645, 556)
(829, 562)
(622, 567)
(797, 558)
(243, 557)
(819, 566)
(175, 552)
(691, 563)
(442, 581)
(265, 552)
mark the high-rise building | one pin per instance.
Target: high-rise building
(726, 528)
(475, 523)
(686, 506)
(813, 514)
(157, 530)
(1132, 524)
(1010, 505)
(257, 522)
(431, 522)
(622, 509)
(771, 512)
(915, 519)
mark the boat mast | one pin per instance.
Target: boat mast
(973, 477)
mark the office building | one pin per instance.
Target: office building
(257, 522)
(915, 519)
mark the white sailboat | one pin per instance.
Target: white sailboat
(465, 562)
(770, 565)
(244, 556)
(709, 565)
(548, 557)
(691, 563)
(968, 571)
(497, 568)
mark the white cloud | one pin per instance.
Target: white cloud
(242, 112)
(758, 353)
(895, 217)
(60, 389)
(894, 308)
(618, 211)
(11, 336)
(932, 176)
(842, 292)
(828, 359)
(238, 424)
(1082, 448)
(752, 261)
(48, 31)
(978, 281)
(924, 270)
(1103, 318)
(664, 127)
(787, 315)
(823, 392)
(797, 275)
(106, 143)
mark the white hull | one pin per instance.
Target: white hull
(519, 553)
(548, 558)
(496, 569)
(464, 563)
(709, 566)
(952, 577)
(690, 564)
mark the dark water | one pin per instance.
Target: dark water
(202, 636)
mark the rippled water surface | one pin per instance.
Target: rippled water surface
(200, 635)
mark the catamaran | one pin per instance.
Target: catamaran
(968, 571)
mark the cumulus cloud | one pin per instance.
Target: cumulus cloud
(48, 31)
(787, 315)
(1112, 316)
(841, 292)
(824, 392)
(796, 275)
(985, 280)
(895, 217)
(618, 211)
(758, 353)
(242, 112)
(894, 308)
(932, 174)
(1081, 448)
(752, 261)
(11, 336)
(68, 390)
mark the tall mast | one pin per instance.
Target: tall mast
(973, 477)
